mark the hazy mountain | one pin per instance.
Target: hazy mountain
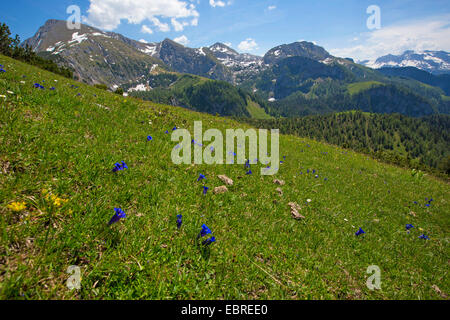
(442, 81)
(436, 62)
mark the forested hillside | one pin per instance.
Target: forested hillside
(411, 142)
(201, 94)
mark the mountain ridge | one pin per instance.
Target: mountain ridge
(295, 79)
(435, 62)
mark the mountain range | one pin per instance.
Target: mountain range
(435, 62)
(289, 80)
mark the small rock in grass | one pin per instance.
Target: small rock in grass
(412, 213)
(295, 208)
(226, 180)
(279, 182)
(438, 291)
(280, 192)
(219, 190)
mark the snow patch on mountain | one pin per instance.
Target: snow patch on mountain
(78, 38)
(436, 62)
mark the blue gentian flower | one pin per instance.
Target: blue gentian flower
(117, 167)
(247, 164)
(409, 226)
(119, 215)
(307, 171)
(52, 88)
(166, 132)
(174, 128)
(201, 177)
(415, 202)
(427, 205)
(209, 241)
(120, 167)
(205, 190)
(205, 231)
(38, 86)
(179, 221)
(326, 179)
(149, 138)
(2, 70)
(249, 172)
(359, 232)
(424, 237)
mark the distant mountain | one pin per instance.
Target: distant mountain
(110, 58)
(441, 81)
(94, 56)
(241, 65)
(290, 80)
(436, 62)
(296, 49)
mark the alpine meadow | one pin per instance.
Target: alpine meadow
(349, 202)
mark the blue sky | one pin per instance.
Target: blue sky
(255, 26)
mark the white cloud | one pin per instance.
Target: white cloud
(428, 34)
(107, 14)
(248, 45)
(270, 8)
(178, 26)
(219, 3)
(163, 27)
(146, 29)
(182, 40)
(143, 41)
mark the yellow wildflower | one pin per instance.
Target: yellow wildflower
(17, 206)
(58, 201)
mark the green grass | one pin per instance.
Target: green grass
(357, 87)
(256, 111)
(445, 98)
(59, 141)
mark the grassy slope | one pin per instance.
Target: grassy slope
(59, 141)
(256, 111)
(357, 87)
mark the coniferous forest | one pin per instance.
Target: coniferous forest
(420, 143)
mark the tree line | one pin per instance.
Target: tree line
(418, 143)
(11, 47)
